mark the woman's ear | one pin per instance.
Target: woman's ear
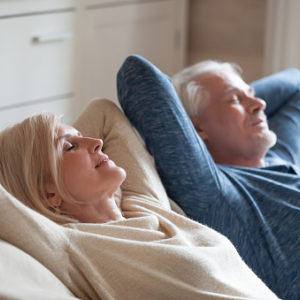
(53, 197)
(196, 122)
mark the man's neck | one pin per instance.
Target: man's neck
(256, 160)
(243, 162)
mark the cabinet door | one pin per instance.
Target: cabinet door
(12, 115)
(36, 58)
(112, 33)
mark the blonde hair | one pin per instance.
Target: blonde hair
(30, 160)
(193, 96)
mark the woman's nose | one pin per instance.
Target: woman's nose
(95, 144)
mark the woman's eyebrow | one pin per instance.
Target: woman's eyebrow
(65, 136)
(68, 135)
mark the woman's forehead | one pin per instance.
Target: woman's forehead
(64, 130)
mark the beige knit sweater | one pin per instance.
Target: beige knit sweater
(153, 254)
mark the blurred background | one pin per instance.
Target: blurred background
(262, 36)
(56, 55)
(228, 30)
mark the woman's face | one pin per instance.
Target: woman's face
(89, 176)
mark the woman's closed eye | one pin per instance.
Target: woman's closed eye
(68, 146)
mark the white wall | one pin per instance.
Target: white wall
(282, 42)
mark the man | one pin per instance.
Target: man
(226, 113)
(233, 182)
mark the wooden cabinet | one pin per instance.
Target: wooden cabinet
(57, 57)
(36, 59)
(149, 28)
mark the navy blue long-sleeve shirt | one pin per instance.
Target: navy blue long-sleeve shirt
(258, 209)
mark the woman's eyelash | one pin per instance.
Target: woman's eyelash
(69, 146)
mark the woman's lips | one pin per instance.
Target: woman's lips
(103, 159)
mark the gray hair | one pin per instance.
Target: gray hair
(193, 96)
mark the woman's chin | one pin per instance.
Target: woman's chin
(123, 173)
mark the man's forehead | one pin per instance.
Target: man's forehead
(227, 81)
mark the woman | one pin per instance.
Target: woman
(141, 251)
(38, 182)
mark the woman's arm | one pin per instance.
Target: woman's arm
(103, 119)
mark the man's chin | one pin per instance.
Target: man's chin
(273, 138)
(265, 140)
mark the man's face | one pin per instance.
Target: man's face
(233, 124)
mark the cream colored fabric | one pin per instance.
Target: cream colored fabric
(153, 254)
(23, 277)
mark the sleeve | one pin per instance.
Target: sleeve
(281, 92)
(150, 102)
(103, 119)
(277, 89)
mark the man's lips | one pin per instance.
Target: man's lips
(257, 122)
(102, 160)
(258, 119)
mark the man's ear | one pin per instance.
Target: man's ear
(196, 122)
(53, 197)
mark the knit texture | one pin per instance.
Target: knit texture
(258, 209)
(152, 254)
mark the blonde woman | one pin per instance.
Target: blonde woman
(51, 172)
(99, 250)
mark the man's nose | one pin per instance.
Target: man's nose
(256, 104)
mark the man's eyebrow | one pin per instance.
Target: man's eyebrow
(252, 90)
(232, 89)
